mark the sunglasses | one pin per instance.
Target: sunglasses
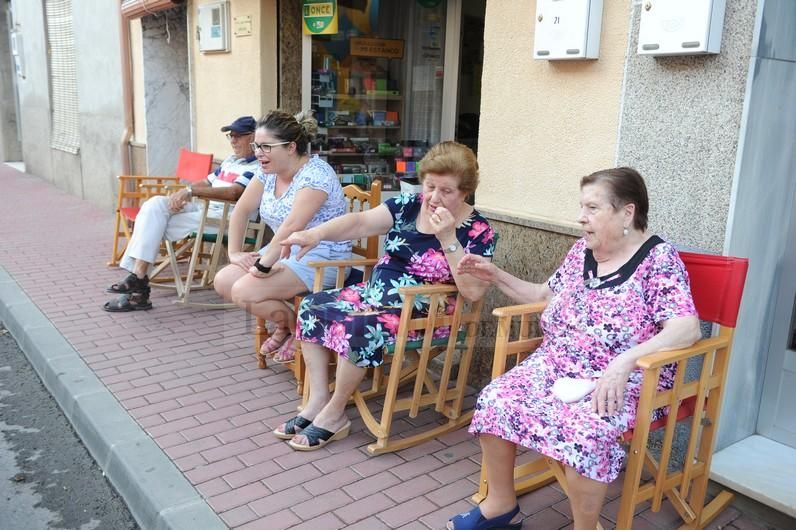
(266, 148)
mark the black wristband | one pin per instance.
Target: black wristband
(262, 268)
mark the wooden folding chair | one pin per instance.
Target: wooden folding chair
(135, 189)
(360, 269)
(717, 286)
(409, 362)
(206, 245)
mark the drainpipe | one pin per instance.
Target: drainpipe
(127, 93)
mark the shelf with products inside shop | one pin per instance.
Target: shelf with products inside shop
(369, 127)
(336, 146)
(335, 118)
(389, 181)
(369, 96)
(357, 154)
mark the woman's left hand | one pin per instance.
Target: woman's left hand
(608, 396)
(443, 224)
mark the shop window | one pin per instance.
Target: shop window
(65, 128)
(377, 89)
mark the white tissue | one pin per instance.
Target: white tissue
(569, 389)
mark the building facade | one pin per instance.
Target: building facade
(711, 133)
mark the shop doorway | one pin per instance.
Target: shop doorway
(166, 88)
(471, 61)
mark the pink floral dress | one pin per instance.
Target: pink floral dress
(589, 321)
(360, 321)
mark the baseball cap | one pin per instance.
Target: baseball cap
(243, 125)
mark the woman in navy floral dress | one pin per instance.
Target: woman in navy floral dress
(620, 294)
(426, 236)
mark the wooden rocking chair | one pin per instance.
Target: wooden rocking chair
(717, 286)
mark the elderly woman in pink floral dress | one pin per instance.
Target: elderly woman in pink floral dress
(620, 294)
(427, 235)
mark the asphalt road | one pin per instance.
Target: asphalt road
(47, 477)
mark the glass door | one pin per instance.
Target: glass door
(377, 88)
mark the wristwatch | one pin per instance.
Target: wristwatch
(190, 191)
(262, 268)
(450, 249)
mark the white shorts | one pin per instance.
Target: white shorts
(307, 273)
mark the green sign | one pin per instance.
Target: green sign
(320, 17)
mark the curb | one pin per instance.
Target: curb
(156, 492)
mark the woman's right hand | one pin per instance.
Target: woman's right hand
(477, 266)
(306, 239)
(245, 260)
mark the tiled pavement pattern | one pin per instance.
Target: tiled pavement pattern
(188, 377)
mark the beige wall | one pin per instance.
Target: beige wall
(137, 60)
(544, 124)
(241, 82)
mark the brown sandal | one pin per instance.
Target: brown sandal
(287, 352)
(271, 345)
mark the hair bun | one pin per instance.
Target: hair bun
(308, 124)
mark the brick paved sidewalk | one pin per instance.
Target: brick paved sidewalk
(189, 379)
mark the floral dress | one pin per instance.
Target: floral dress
(589, 321)
(360, 321)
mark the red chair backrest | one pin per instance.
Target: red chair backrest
(193, 167)
(716, 285)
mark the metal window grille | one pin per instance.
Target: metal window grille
(65, 130)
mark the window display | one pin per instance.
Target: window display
(377, 89)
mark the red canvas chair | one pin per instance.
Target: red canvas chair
(717, 285)
(135, 189)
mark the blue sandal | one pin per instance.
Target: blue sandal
(473, 520)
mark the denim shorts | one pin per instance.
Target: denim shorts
(322, 252)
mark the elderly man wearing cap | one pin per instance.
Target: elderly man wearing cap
(175, 216)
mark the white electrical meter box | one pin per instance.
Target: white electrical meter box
(213, 27)
(567, 29)
(680, 27)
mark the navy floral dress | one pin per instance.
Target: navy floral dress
(360, 321)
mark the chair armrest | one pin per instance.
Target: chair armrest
(425, 290)
(505, 345)
(662, 358)
(521, 309)
(163, 187)
(343, 263)
(154, 188)
(147, 177)
(208, 200)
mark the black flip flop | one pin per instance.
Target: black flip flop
(318, 437)
(296, 422)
